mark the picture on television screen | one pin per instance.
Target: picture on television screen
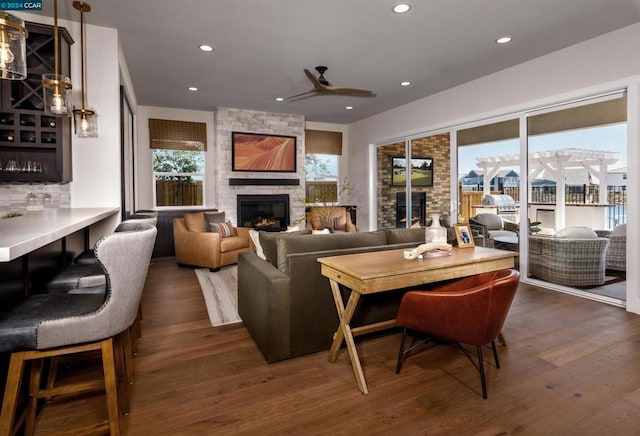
(421, 171)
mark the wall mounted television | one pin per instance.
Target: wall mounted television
(421, 171)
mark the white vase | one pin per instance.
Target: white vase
(435, 232)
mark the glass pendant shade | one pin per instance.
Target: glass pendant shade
(13, 47)
(435, 232)
(86, 123)
(57, 94)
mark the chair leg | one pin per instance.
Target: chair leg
(11, 392)
(53, 373)
(495, 354)
(401, 353)
(481, 370)
(110, 384)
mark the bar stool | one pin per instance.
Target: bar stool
(48, 325)
(151, 217)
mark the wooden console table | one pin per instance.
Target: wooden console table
(368, 273)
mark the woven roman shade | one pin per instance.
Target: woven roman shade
(322, 142)
(177, 135)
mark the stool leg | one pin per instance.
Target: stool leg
(32, 404)
(11, 391)
(53, 373)
(110, 384)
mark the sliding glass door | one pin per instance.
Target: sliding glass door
(577, 195)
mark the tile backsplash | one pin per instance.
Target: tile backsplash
(24, 196)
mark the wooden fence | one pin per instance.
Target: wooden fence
(178, 193)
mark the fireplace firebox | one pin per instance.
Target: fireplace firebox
(264, 212)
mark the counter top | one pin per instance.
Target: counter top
(23, 234)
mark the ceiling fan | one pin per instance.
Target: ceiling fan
(322, 86)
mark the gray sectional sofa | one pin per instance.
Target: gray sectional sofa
(287, 305)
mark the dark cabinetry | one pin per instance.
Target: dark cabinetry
(35, 146)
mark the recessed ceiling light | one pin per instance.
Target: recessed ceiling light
(193, 88)
(348, 108)
(205, 47)
(279, 99)
(401, 8)
(503, 40)
(405, 83)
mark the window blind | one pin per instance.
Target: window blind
(177, 135)
(323, 142)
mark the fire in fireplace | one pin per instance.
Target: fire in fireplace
(264, 212)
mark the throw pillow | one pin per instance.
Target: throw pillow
(213, 217)
(225, 230)
(338, 223)
(255, 238)
(195, 222)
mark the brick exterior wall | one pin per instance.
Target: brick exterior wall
(229, 120)
(438, 195)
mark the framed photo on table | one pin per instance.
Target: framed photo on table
(464, 236)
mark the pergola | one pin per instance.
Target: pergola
(554, 163)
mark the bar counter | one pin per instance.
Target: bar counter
(33, 230)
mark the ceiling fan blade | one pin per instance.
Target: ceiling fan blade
(350, 91)
(313, 91)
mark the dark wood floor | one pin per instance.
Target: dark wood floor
(572, 367)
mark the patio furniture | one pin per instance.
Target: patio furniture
(617, 253)
(573, 256)
(491, 225)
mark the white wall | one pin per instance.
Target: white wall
(144, 174)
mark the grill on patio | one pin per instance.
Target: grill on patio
(503, 204)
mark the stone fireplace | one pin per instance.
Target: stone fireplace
(264, 212)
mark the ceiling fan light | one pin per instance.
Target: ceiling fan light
(279, 98)
(13, 47)
(503, 40)
(205, 47)
(405, 83)
(349, 108)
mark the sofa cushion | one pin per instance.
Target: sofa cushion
(333, 241)
(576, 233)
(490, 220)
(402, 236)
(268, 243)
(213, 218)
(225, 230)
(232, 243)
(195, 222)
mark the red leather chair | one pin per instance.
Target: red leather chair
(471, 311)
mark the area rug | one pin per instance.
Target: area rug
(220, 290)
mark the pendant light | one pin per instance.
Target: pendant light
(85, 120)
(13, 47)
(56, 87)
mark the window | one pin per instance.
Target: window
(321, 178)
(178, 177)
(178, 149)
(321, 162)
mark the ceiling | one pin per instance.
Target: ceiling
(262, 46)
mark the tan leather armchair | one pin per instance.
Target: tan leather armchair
(320, 216)
(208, 249)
